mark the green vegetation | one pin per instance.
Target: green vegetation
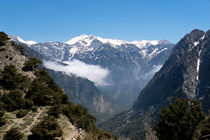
(21, 94)
(13, 134)
(32, 64)
(2, 111)
(3, 38)
(12, 80)
(48, 129)
(44, 91)
(203, 130)
(2, 121)
(21, 113)
(179, 120)
(13, 100)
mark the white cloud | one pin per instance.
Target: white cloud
(94, 73)
(150, 74)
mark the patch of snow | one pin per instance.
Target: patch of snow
(18, 39)
(145, 43)
(86, 40)
(201, 98)
(143, 52)
(198, 64)
(196, 43)
(203, 36)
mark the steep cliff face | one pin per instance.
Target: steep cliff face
(185, 75)
(179, 75)
(84, 92)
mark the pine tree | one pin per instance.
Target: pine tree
(179, 120)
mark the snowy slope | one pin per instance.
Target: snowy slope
(20, 40)
(146, 48)
(131, 64)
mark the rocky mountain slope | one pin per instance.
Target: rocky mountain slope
(131, 64)
(80, 90)
(33, 106)
(185, 74)
(84, 92)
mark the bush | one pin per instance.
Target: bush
(28, 104)
(34, 108)
(32, 64)
(13, 100)
(13, 134)
(48, 129)
(79, 115)
(40, 94)
(2, 108)
(12, 80)
(21, 113)
(44, 91)
(55, 110)
(203, 132)
(2, 121)
(3, 38)
(19, 48)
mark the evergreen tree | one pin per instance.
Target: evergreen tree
(48, 129)
(13, 134)
(179, 120)
(32, 64)
(204, 129)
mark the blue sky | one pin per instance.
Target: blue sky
(60, 20)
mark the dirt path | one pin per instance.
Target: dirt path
(70, 136)
(40, 111)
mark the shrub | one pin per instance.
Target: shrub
(2, 108)
(34, 108)
(79, 116)
(44, 91)
(48, 129)
(55, 110)
(19, 48)
(3, 38)
(21, 113)
(13, 100)
(12, 80)
(2, 121)
(39, 93)
(32, 64)
(203, 132)
(13, 134)
(28, 104)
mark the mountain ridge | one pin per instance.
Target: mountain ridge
(184, 75)
(130, 66)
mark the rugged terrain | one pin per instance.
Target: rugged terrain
(185, 74)
(130, 64)
(30, 99)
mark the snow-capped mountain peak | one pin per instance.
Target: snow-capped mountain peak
(18, 39)
(144, 43)
(86, 40)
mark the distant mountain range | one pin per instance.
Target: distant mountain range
(186, 74)
(130, 66)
